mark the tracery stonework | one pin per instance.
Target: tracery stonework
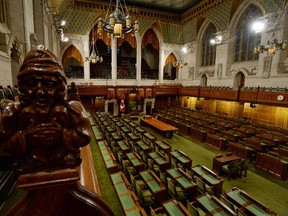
(267, 67)
(42, 129)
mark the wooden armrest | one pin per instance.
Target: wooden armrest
(134, 197)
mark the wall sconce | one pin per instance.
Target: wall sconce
(216, 40)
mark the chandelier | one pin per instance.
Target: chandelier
(117, 22)
(271, 47)
(180, 64)
(94, 56)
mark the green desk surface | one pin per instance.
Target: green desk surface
(125, 129)
(206, 175)
(121, 189)
(131, 156)
(104, 151)
(149, 136)
(153, 185)
(119, 124)
(140, 142)
(174, 173)
(116, 178)
(257, 210)
(160, 161)
(237, 197)
(127, 202)
(172, 209)
(209, 205)
(180, 157)
(184, 182)
(116, 136)
(153, 155)
(133, 213)
(162, 144)
(135, 162)
(243, 201)
(107, 157)
(140, 129)
(110, 129)
(146, 176)
(133, 136)
(110, 163)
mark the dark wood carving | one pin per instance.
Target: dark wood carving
(44, 131)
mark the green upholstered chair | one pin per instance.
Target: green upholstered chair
(232, 169)
(177, 192)
(163, 178)
(243, 167)
(227, 202)
(193, 210)
(144, 195)
(2, 94)
(202, 187)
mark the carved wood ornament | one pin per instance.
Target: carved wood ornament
(44, 131)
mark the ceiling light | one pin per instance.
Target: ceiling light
(117, 22)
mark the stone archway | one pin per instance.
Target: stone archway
(115, 106)
(146, 101)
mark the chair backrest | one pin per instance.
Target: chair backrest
(2, 94)
(200, 185)
(240, 212)
(192, 209)
(234, 165)
(227, 202)
(171, 187)
(244, 164)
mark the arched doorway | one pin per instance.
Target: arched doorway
(239, 81)
(203, 80)
(73, 63)
(170, 71)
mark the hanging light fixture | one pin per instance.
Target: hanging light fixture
(117, 22)
(271, 46)
(94, 55)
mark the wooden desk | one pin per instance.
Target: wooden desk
(184, 182)
(209, 178)
(155, 186)
(180, 158)
(243, 200)
(164, 128)
(213, 206)
(162, 146)
(133, 137)
(174, 207)
(159, 160)
(136, 162)
(142, 147)
(218, 162)
(149, 137)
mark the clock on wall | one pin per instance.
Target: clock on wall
(280, 97)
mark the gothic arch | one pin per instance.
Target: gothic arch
(76, 46)
(240, 10)
(239, 80)
(203, 80)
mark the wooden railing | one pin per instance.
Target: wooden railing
(257, 95)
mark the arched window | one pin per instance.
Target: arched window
(246, 39)
(208, 50)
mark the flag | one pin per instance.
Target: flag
(122, 105)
